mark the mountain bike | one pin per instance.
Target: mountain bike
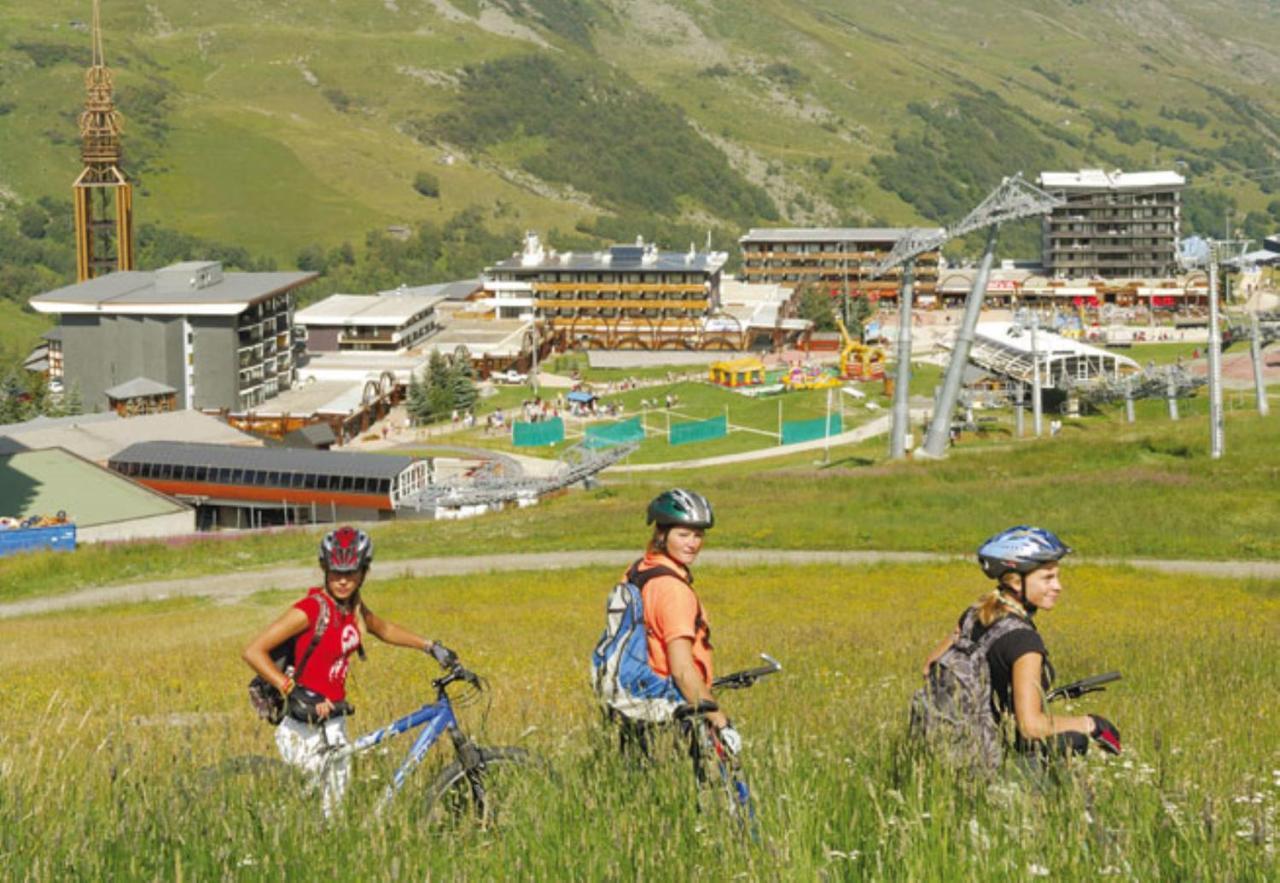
(464, 788)
(712, 761)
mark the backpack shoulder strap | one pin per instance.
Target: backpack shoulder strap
(322, 623)
(1010, 622)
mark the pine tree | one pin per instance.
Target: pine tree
(416, 399)
(439, 394)
(72, 402)
(462, 380)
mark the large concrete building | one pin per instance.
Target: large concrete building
(1114, 225)
(219, 340)
(629, 296)
(838, 259)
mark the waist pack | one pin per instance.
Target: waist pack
(952, 714)
(623, 680)
(267, 701)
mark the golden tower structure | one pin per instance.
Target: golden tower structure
(103, 195)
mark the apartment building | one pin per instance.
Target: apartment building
(220, 340)
(1114, 224)
(626, 296)
(839, 259)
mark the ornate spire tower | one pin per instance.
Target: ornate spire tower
(103, 195)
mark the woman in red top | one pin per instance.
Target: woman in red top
(315, 692)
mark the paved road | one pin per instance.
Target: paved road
(231, 587)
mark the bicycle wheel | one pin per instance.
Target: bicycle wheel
(459, 795)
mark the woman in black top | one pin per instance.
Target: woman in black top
(1024, 562)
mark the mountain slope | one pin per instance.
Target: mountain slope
(278, 124)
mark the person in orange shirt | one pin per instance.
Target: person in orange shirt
(676, 627)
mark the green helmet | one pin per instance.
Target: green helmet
(681, 507)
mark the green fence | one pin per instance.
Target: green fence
(614, 434)
(532, 435)
(807, 430)
(698, 430)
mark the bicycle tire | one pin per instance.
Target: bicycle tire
(456, 796)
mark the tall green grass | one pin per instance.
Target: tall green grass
(111, 714)
(1113, 489)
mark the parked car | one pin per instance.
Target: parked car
(511, 375)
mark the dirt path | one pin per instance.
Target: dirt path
(231, 587)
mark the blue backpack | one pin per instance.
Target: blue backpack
(620, 672)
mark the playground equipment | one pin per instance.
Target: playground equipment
(733, 373)
(857, 360)
(809, 376)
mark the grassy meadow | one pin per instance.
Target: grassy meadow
(111, 713)
(1112, 489)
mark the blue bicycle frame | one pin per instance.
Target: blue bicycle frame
(436, 718)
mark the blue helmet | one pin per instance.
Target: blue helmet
(1021, 550)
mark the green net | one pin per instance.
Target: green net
(532, 435)
(614, 434)
(807, 430)
(698, 430)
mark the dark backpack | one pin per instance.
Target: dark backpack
(952, 714)
(269, 702)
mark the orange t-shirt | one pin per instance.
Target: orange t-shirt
(671, 611)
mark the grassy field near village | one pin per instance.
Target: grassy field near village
(111, 713)
(1114, 489)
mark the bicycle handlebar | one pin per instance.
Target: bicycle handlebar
(740, 680)
(1076, 689)
(458, 673)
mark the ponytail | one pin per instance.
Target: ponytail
(997, 604)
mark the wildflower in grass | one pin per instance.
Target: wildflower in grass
(1035, 870)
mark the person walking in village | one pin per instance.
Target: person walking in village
(325, 625)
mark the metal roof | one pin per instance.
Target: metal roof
(266, 459)
(1005, 348)
(1097, 179)
(316, 397)
(391, 309)
(54, 333)
(98, 436)
(139, 292)
(44, 481)
(829, 234)
(138, 386)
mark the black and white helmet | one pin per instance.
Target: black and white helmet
(681, 507)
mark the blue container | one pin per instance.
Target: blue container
(60, 537)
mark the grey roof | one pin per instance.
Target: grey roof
(313, 435)
(98, 436)
(42, 422)
(136, 291)
(138, 386)
(265, 459)
(828, 234)
(618, 259)
(54, 333)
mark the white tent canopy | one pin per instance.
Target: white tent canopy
(1004, 348)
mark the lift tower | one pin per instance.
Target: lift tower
(102, 194)
(1013, 199)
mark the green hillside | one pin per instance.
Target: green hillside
(279, 126)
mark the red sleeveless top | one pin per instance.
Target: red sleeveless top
(326, 671)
